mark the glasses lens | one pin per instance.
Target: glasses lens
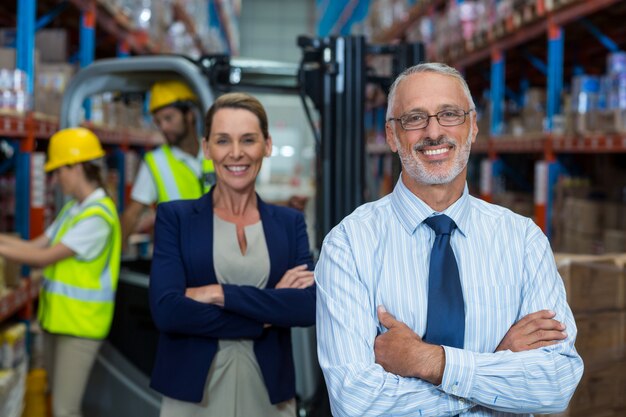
(414, 120)
(451, 117)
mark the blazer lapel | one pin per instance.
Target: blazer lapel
(276, 240)
(197, 245)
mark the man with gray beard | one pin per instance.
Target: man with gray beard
(431, 302)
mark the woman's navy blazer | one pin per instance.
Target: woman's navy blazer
(189, 330)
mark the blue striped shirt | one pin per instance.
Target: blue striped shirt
(379, 255)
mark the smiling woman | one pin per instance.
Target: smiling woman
(230, 276)
(237, 146)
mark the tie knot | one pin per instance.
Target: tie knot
(441, 224)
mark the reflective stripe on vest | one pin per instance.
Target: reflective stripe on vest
(174, 179)
(77, 296)
(76, 292)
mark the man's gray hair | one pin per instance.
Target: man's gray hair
(435, 67)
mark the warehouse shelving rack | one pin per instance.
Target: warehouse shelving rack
(93, 15)
(19, 300)
(548, 19)
(26, 129)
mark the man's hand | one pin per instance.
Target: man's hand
(298, 277)
(402, 352)
(536, 330)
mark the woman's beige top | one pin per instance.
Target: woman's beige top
(235, 386)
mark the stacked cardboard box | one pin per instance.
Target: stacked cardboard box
(12, 388)
(13, 365)
(534, 110)
(52, 73)
(9, 274)
(51, 79)
(519, 202)
(584, 225)
(596, 292)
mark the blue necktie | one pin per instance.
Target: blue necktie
(445, 323)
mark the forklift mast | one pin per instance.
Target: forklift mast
(333, 74)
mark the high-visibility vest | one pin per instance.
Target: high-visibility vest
(174, 179)
(77, 296)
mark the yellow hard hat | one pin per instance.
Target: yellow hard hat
(166, 93)
(71, 146)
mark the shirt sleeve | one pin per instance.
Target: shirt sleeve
(88, 237)
(144, 189)
(535, 381)
(346, 329)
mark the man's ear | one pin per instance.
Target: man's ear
(390, 137)
(474, 126)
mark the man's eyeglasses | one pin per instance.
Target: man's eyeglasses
(419, 120)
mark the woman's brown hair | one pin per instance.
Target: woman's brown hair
(237, 101)
(93, 173)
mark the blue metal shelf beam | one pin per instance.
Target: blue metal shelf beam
(25, 54)
(497, 93)
(555, 72)
(25, 60)
(337, 17)
(46, 19)
(601, 37)
(87, 47)
(536, 62)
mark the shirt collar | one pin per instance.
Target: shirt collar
(180, 154)
(412, 211)
(96, 194)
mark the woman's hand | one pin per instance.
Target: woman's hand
(298, 277)
(208, 294)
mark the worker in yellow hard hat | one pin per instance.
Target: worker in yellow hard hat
(80, 253)
(176, 170)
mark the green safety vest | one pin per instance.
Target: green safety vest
(174, 179)
(77, 296)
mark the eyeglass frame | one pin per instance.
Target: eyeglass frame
(428, 116)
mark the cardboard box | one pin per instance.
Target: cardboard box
(600, 392)
(573, 241)
(8, 37)
(592, 283)
(614, 217)
(13, 344)
(600, 338)
(584, 215)
(614, 240)
(10, 274)
(50, 82)
(7, 58)
(54, 77)
(596, 413)
(53, 44)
